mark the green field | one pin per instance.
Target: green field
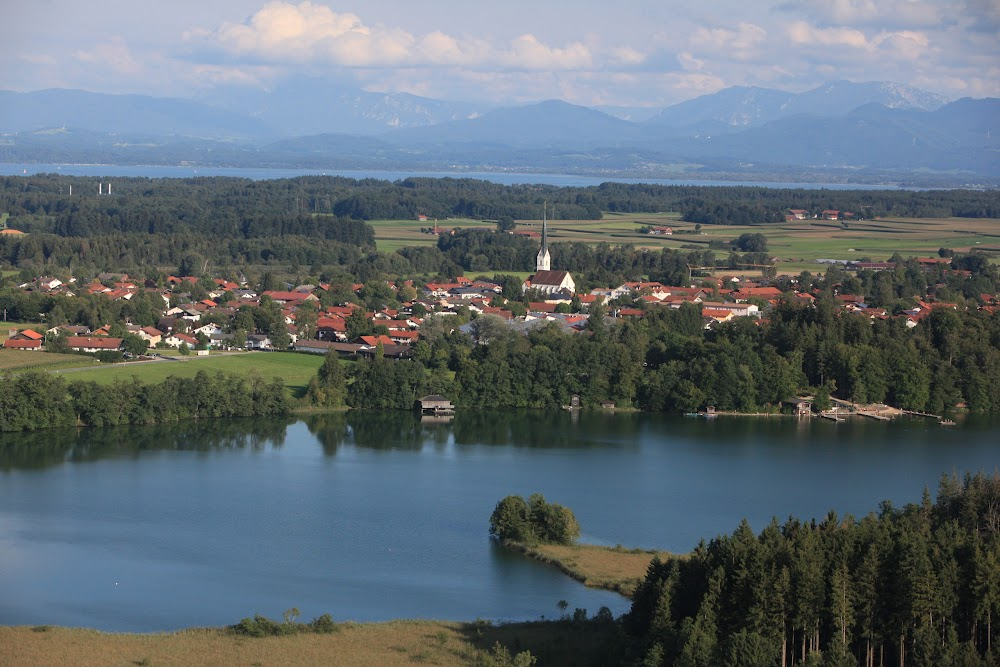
(797, 244)
(391, 235)
(294, 369)
(28, 360)
(3, 220)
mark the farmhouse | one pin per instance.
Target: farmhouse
(27, 339)
(93, 343)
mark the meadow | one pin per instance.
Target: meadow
(612, 568)
(294, 369)
(21, 360)
(441, 643)
(797, 244)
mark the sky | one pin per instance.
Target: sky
(647, 53)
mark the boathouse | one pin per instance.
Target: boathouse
(435, 404)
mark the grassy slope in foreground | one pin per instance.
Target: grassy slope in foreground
(385, 644)
(613, 568)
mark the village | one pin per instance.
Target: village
(211, 323)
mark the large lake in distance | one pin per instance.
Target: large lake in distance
(501, 177)
(375, 516)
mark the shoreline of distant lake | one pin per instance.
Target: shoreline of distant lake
(500, 177)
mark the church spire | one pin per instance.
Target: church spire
(543, 262)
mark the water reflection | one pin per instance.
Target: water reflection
(532, 429)
(42, 449)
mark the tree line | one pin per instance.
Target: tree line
(36, 400)
(917, 586)
(667, 361)
(234, 207)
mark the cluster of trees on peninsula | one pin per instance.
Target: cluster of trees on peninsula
(36, 400)
(533, 521)
(915, 587)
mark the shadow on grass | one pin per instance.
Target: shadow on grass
(565, 643)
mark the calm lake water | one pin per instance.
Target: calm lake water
(378, 516)
(503, 178)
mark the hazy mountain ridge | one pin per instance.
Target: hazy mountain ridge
(737, 130)
(741, 107)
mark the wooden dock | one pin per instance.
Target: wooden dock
(873, 415)
(921, 414)
(831, 417)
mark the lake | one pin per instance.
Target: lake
(503, 178)
(374, 516)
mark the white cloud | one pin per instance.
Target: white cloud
(877, 13)
(746, 42)
(113, 54)
(528, 52)
(37, 59)
(282, 32)
(801, 33)
(626, 55)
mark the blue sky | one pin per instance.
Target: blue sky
(628, 53)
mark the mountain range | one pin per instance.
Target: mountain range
(869, 131)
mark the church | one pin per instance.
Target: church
(545, 279)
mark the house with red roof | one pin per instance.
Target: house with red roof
(93, 343)
(22, 344)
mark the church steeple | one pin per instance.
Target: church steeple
(544, 261)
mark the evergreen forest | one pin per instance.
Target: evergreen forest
(917, 586)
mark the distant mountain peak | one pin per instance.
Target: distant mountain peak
(749, 106)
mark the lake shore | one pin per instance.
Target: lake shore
(616, 569)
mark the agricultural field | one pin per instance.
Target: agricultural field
(29, 360)
(797, 244)
(294, 369)
(391, 235)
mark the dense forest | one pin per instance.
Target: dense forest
(234, 207)
(913, 587)
(317, 222)
(35, 400)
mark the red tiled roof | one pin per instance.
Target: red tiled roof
(14, 344)
(95, 342)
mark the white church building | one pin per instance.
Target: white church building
(545, 279)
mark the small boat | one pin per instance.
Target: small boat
(946, 422)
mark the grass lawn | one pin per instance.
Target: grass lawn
(25, 360)
(295, 369)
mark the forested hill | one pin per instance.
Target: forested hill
(914, 587)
